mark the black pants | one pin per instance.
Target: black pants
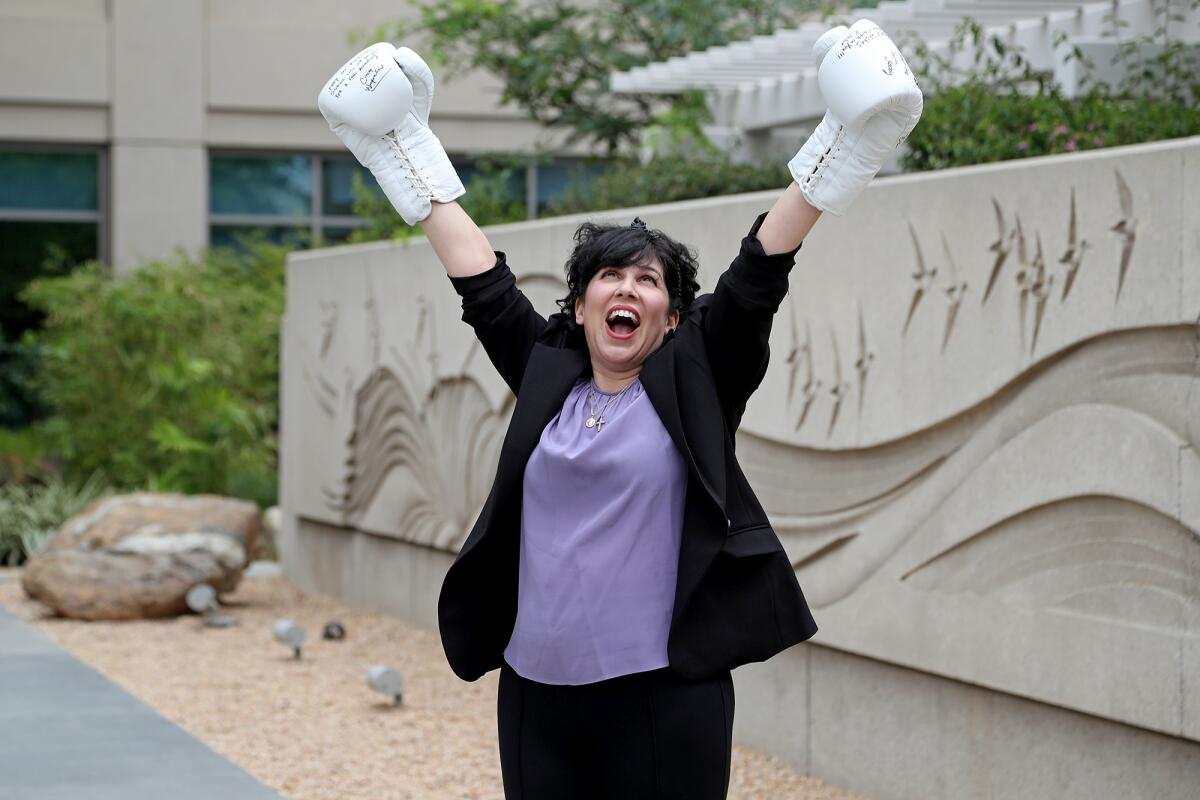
(649, 735)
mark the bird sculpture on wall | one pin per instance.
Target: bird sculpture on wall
(954, 292)
(1125, 228)
(1001, 247)
(1072, 257)
(923, 278)
(811, 385)
(840, 386)
(1039, 287)
(1024, 276)
(795, 356)
(862, 364)
(801, 357)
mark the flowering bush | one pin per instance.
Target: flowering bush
(1001, 108)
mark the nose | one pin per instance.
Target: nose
(628, 284)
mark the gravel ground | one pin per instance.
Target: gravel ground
(312, 729)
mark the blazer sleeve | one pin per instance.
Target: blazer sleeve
(737, 325)
(504, 320)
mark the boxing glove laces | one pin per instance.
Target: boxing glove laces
(378, 104)
(873, 104)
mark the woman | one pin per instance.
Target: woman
(621, 566)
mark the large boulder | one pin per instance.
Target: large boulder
(135, 556)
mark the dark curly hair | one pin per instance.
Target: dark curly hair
(599, 246)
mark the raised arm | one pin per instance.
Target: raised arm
(461, 246)
(873, 105)
(788, 222)
(378, 104)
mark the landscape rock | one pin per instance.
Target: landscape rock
(135, 556)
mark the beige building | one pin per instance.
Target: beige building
(131, 127)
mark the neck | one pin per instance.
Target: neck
(609, 381)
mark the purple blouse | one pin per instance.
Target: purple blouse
(601, 520)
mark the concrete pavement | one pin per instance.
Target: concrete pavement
(67, 732)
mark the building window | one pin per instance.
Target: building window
(288, 198)
(51, 218)
(299, 199)
(553, 179)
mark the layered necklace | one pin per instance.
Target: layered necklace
(596, 420)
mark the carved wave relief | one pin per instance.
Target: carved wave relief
(1101, 425)
(423, 445)
(442, 448)
(1095, 556)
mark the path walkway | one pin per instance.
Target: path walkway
(68, 732)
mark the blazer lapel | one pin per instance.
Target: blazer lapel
(549, 376)
(701, 542)
(706, 463)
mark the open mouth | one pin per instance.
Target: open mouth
(622, 322)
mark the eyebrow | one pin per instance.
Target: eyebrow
(646, 267)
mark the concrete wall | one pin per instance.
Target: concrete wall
(161, 83)
(991, 496)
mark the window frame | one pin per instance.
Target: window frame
(99, 216)
(315, 220)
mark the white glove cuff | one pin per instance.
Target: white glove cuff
(421, 167)
(410, 166)
(811, 165)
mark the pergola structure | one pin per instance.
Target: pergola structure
(763, 92)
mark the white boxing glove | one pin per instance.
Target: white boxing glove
(378, 105)
(874, 103)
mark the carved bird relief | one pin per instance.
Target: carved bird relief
(795, 355)
(374, 337)
(923, 278)
(1024, 275)
(862, 364)
(329, 315)
(425, 332)
(1072, 257)
(1001, 247)
(810, 387)
(840, 386)
(954, 292)
(1039, 287)
(1125, 228)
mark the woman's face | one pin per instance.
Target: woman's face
(625, 313)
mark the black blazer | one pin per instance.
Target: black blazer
(737, 599)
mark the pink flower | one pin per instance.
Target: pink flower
(1092, 126)
(1060, 130)
(1097, 141)
(1071, 145)
(1033, 126)
(1022, 145)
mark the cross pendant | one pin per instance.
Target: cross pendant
(599, 424)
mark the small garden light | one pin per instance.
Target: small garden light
(289, 633)
(384, 679)
(202, 599)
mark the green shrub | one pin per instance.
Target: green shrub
(18, 365)
(1001, 108)
(24, 455)
(166, 378)
(30, 515)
